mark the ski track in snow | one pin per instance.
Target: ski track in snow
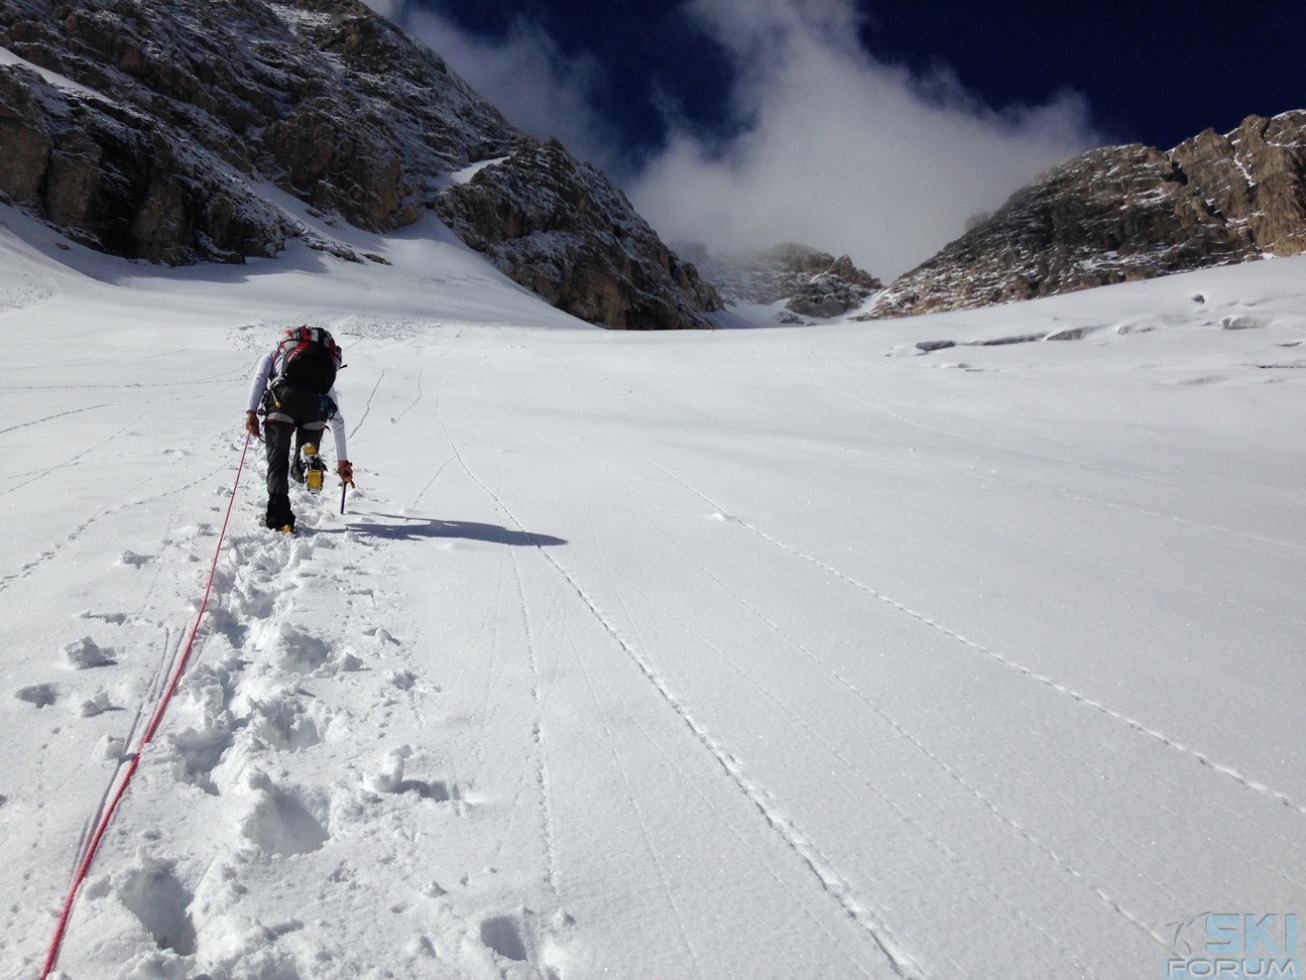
(1138, 573)
(223, 379)
(865, 912)
(417, 399)
(1062, 461)
(1022, 451)
(1170, 742)
(541, 773)
(48, 418)
(976, 875)
(75, 459)
(54, 550)
(1083, 555)
(367, 408)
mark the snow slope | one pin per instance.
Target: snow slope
(757, 653)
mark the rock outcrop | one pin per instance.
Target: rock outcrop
(1126, 213)
(156, 129)
(563, 230)
(153, 125)
(810, 282)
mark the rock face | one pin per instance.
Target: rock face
(560, 228)
(154, 129)
(155, 122)
(812, 283)
(1126, 213)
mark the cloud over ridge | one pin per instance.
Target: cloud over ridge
(824, 144)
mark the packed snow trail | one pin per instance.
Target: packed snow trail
(131, 759)
(764, 653)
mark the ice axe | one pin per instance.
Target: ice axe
(346, 481)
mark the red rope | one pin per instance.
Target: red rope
(85, 866)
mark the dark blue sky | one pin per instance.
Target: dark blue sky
(873, 128)
(1153, 71)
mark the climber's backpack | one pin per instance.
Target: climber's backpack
(304, 370)
(307, 357)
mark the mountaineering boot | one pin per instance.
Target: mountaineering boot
(279, 515)
(314, 469)
(297, 469)
(280, 523)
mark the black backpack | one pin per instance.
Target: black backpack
(308, 357)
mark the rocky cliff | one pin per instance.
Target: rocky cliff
(1126, 213)
(563, 230)
(811, 283)
(165, 130)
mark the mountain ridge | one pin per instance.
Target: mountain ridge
(152, 129)
(177, 114)
(1123, 213)
(809, 282)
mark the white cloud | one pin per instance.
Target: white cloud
(526, 76)
(842, 152)
(827, 146)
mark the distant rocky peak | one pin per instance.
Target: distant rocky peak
(811, 283)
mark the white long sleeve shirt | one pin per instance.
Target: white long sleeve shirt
(258, 384)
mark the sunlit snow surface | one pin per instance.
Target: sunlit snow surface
(787, 653)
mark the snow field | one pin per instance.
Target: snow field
(790, 653)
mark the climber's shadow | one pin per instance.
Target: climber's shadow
(417, 528)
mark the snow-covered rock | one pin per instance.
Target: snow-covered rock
(562, 229)
(1125, 213)
(809, 282)
(191, 130)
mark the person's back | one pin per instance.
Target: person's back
(293, 387)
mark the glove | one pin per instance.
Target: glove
(345, 470)
(251, 424)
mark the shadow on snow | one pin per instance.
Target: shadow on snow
(417, 528)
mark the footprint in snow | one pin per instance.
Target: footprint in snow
(1244, 323)
(287, 722)
(189, 532)
(285, 822)
(198, 753)
(297, 651)
(135, 560)
(503, 934)
(159, 900)
(247, 602)
(405, 680)
(40, 695)
(523, 938)
(235, 629)
(420, 948)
